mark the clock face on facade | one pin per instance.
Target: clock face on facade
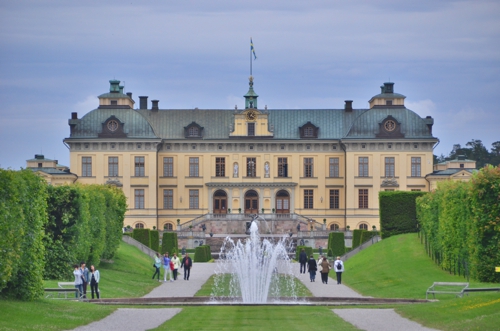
(390, 125)
(251, 115)
(112, 125)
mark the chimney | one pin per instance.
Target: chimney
(430, 122)
(348, 105)
(143, 102)
(129, 94)
(154, 105)
(74, 116)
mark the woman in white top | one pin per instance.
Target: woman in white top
(77, 272)
(94, 281)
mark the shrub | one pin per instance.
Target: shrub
(142, 236)
(398, 212)
(336, 244)
(154, 239)
(308, 250)
(356, 238)
(169, 243)
(201, 254)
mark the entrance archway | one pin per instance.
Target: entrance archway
(251, 202)
(220, 202)
(282, 202)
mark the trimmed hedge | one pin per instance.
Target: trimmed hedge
(202, 254)
(169, 243)
(336, 244)
(356, 238)
(142, 236)
(308, 249)
(154, 239)
(398, 213)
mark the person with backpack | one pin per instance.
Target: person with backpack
(339, 269)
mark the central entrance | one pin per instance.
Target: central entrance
(251, 202)
(220, 202)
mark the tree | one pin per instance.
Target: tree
(479, 153)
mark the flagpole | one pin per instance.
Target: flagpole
(250, 56)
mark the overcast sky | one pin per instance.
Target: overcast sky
(56, 57)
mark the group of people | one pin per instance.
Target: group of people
(322, 265)
(171, 266)
(83, 276)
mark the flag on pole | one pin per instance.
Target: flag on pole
(252, 49)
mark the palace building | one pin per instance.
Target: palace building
(321, 165)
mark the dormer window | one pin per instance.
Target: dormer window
(193, 130)
(114, 102)
(388, 102)
(308, 130)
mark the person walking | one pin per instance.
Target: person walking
(325, 268)
(85, 278)
(339, 269)
(187, 263)
(166, 268)
(77, 272)
(177, 264)
(157, 265)
(94, 281)
(312, 267)
(303, 261)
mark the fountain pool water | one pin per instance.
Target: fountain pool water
(258, 271)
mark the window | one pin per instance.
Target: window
(168, 227)
(388, 102)
(220, 166)
(363, 198)
(389, 167)
(114, 102)
(334, 227)
(363, 167)
(308, 132)
(334, 167)
(308, 199)
(139, 226)
(112, 166)
(86, 166)
(168, 199)
(193, 131)
(139, 198)
(251, 165)
(416, 189)
(415, 167)
(251, 129)
(139, 166)
(334, 199)
(194, 167)
(282, 167)
(194, 199)
(308, 167)
(168, 167)
(363, 227)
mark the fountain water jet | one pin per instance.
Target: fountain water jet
(258, 269)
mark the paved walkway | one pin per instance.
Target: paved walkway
(140, 319)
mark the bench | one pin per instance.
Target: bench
(446, 288)
(66, 286)
(480, 289)
(61, 291)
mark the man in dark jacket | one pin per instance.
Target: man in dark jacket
(186, 263)
(303, 261)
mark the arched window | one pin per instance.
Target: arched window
(139, 225)
(363, 226)
(334, 227)
(168, 227)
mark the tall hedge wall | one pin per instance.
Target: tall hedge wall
(169, 243)
(336, 244)
(202, 254)
(142, 236)
(154, 239)
(356, 238)
(23, 215)
(398, 212)
(460, 223)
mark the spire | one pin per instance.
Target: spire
(251, 96)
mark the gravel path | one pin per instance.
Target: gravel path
(132, 319)
(378, 320)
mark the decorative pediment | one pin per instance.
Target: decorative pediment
(389, 182)
(112, 128)
(193, 131)
(389, 128)
(309, 131)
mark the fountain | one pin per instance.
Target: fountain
(259, 271)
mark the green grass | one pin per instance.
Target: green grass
(398, 267)
(207, 288)
(246, 318)
(128, 275)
